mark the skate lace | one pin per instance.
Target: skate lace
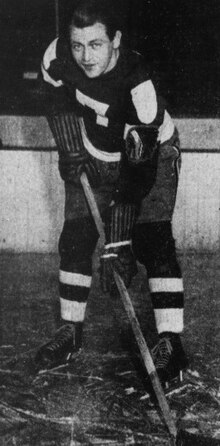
(161, 353)
(62, 337)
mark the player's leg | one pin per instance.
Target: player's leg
(154, 247)
(76, 246)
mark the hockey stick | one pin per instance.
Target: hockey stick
(92, 205)
(145, 353)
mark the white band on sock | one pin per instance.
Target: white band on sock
(166, 284)
(72, 311)
(169, 319)
(76, 279)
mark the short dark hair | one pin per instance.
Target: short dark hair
(88, 12)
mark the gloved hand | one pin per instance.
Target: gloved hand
(71, 166)
(122, 260)
(73, 158)
(119, 221)
(141, 144)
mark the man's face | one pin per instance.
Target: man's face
(92, 49)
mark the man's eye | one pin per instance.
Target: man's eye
(95, 45)
(76, 47)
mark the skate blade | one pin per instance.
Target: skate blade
(54, 365)
(175, 385)
(52, 369)
(63, 363)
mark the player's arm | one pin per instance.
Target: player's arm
(62, 119)
(138, 166)
(139, 163)
(137, 175)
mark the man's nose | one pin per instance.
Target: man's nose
(86, 54)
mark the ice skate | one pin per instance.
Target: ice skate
(60, 350)
(170, 360)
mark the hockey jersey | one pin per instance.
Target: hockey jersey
(109, 104)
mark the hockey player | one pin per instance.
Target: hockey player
(109, 121)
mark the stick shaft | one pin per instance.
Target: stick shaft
(92, 204)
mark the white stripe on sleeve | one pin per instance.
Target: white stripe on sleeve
(49, 56)
(145, 101)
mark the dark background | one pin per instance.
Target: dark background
(179, 37)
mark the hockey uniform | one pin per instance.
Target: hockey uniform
(91, 120)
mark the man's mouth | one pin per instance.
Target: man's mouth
(89, 66)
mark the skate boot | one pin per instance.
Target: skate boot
(170, 359)
(59, 351)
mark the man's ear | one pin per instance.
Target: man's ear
(117, 40)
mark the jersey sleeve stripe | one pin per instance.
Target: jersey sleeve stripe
(49, 56)
(47, 78)
(145, 102)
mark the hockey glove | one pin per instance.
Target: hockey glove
(72, 165)
(118, 252)
(141, 144)
(73, 158)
